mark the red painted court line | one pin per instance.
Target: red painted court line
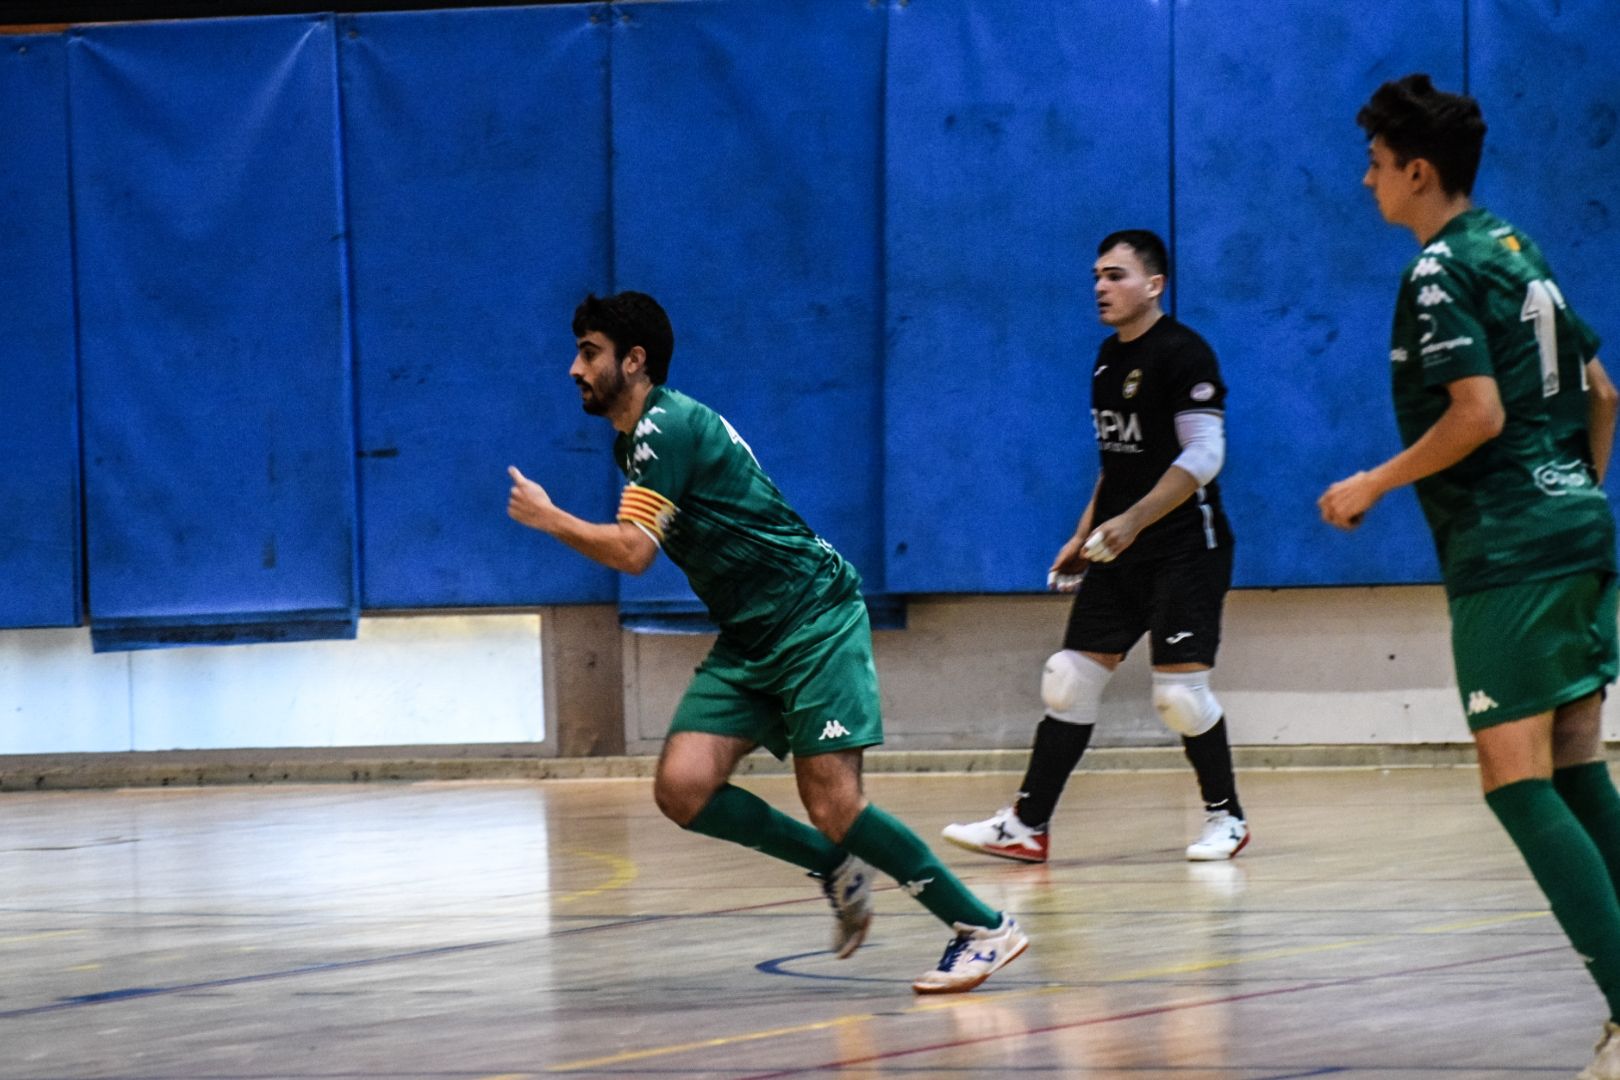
(1137, 1014)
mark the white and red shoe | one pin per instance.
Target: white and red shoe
(1223, 837)
(1001, 835)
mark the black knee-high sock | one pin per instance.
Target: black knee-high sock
(1211, 758)
(1059, 745)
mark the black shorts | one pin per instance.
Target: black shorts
(1176, 599)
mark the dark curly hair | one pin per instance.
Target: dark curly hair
(1418, 121)
(630, 319)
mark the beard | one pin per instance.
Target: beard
(599, 399)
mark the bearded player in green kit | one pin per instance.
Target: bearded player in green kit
(1508, 421)
(792, 669)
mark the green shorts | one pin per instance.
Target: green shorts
(815, 692)
(1524, 649)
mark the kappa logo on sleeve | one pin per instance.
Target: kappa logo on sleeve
(1430, 295)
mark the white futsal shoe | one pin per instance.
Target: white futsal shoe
(849, 891)
(973, 956)
(1002, 835)
(1224, 836)
(1606, 1066)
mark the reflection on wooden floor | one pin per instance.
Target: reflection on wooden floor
(1380, 925)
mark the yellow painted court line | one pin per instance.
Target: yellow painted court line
(1493, 920)
(86, 967)
(934, 1005)
(623, 873)
(709, 1044)
(509, 1076)
(43, 934)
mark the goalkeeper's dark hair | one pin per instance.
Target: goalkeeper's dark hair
(1417, 121)
(1147, 245)
(629, 319)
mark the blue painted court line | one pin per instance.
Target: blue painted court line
(132, 993)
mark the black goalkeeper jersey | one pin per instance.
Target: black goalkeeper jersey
(1137, 389)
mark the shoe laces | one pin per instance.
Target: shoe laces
(953, 950)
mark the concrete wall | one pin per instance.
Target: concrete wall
(1298, 667)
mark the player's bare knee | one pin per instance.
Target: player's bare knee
(1184, 701)
(833, 815)
(1072, 687)
(682, 793)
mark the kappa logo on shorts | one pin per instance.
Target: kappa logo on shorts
(833, 730)
(1479, 701)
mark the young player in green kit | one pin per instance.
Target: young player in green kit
(792, 669)
(1508, 420)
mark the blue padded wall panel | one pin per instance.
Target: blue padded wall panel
(219, 449)
(39, 486)
(1552, 151)
(1018, 136)
(476, 144)
(745, 191)
(1286, 267)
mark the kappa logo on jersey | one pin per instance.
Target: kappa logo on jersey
(642, 453)
(647, 427)
(1397, 356)
(1430, 295)
(1439, 247)
(1479, 701)
(1133, 383)
(834, 730)
(1562, 478)
(1426, 267)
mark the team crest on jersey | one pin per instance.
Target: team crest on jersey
(1511, 243)
(1133, 383)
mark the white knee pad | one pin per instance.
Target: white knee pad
(1072, 686)
(1185, 702)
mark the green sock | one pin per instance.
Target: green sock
(1589, 793)
(1569, 869)
(887, 844)
(744, 818)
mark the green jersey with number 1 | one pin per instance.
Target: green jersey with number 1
(696, 488)
(1480, 300)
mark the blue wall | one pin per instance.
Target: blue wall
(305, 282)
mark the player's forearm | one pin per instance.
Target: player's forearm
(611, 545)
(1089, 514)
(1173, 489)
(1602, 404)
(1461, 429)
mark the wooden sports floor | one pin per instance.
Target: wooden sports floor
(1379, 926)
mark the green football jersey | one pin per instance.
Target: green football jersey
(1480, 300)
(695, 487)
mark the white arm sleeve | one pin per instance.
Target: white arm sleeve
(1203, 444)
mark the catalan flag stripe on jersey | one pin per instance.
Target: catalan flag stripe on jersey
(645, 507)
